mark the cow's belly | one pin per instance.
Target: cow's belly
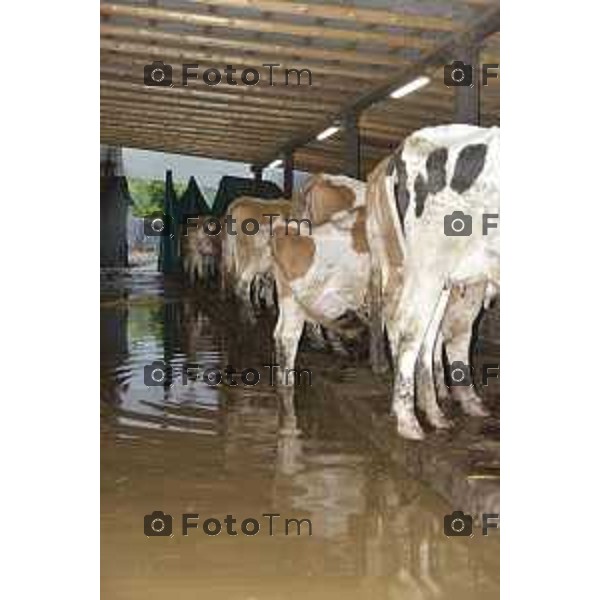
(483, 265)
(329, 293)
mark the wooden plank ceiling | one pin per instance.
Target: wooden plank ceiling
(350, 48)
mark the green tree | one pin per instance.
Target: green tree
(148, 195)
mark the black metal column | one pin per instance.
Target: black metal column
(288, 175)
(466, 98)
(257, 172)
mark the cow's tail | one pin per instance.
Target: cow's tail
(380, 208)
(376, 323)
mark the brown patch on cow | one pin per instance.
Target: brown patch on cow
(327, 198)
(243, 249)
(293, 254)
(359, 232)
(246, 207)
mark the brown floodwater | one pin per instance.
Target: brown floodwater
(376, 504)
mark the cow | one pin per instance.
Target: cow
(323, 197)
(247, 259)
(387, 244)
(320, 278)
(200, 251)
(439, 248)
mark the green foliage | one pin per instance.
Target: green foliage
(148, 194)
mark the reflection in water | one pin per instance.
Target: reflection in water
(246, 451)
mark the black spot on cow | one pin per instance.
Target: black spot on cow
(436, 170)
(435, 166)
(402, 195)
(469, 165)
(400, 190)
(421, 192)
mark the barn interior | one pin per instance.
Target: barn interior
(377, 502)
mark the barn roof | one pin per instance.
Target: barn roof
(357, 54)
(192, 200)
(231, 188)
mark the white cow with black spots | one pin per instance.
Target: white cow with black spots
(448, 196)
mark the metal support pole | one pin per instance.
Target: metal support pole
(466, 97)
(288, 175)
(351, 133)
(257, 172)
(169, 244)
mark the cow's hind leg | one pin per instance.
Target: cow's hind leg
(415, 311)
(438, 368)
(457, 327)
(288, 331)
(376, 331)
(426, 389)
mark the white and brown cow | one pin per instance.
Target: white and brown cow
(436, 172)
(247, 259)
(320, 277)
(324, 197)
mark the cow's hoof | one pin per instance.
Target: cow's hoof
(474, 407)
(439, 421)
(409, 428)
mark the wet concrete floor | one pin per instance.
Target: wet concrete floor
(376, 504)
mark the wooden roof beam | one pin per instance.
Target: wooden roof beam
(259, 25)
(483, 27)
(353, 14)
(299, 52)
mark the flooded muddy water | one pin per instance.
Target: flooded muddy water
(376, 506)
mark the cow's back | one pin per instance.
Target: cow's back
(453, 171)
(325, 196)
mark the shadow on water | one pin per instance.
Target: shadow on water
(376, 506)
